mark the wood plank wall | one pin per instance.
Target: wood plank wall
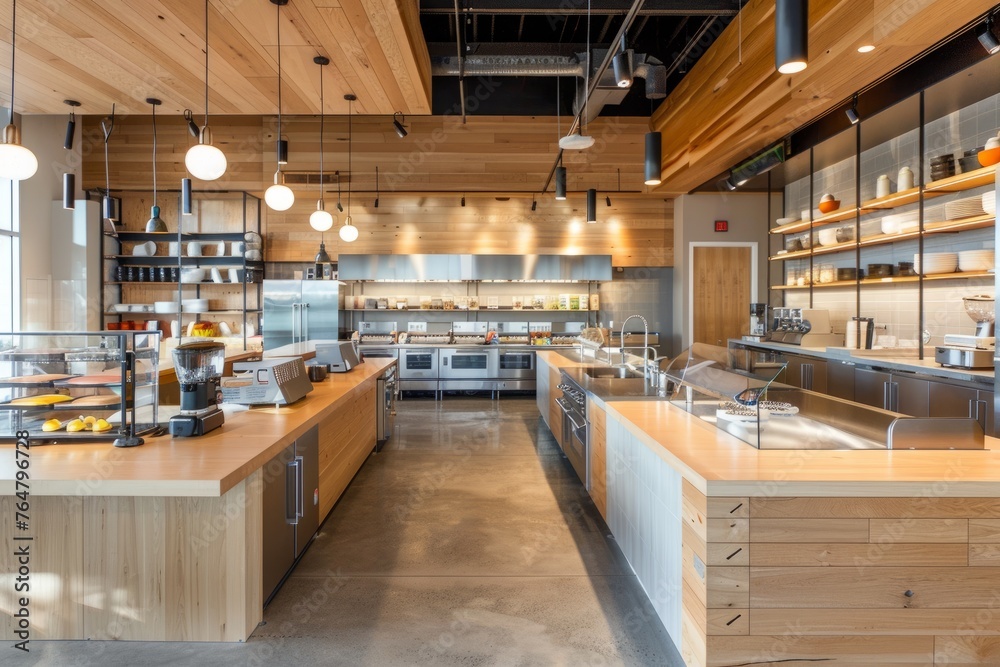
(859, 581)
(497, 163)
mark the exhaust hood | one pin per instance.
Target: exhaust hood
(493, 268)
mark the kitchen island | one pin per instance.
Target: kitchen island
(164, 542)
(761, 557)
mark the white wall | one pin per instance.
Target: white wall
(694, 221)
(45, 246)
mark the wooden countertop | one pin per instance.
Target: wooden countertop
(718, 464)
(165, 466)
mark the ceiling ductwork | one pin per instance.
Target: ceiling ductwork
(607, 90)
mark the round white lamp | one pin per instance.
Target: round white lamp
(279, 196)
(348, 232)
(17, 163)
(320, 220)
(205, 161)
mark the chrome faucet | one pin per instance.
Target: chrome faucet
(646, 349)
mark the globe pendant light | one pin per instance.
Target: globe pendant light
(320, 220)
(17, 163)
(155, 223)
(203, 160)
(279, 196)
(348, 232)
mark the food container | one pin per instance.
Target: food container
(382, 304)
(905, 269)
(574, 302)
(492, 302)
(880, 270)
(437, 304)
(564, 302)
(462, 303)
(538, 302)
(595, 302)
(827, 273)
(425, 303)
(448, 302)
(517, 302)
(848, 273)
(793, 243)
(474, 302)
(551, 302)
(845, 234)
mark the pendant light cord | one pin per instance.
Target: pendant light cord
(206, 63)
(278, 10)
(586, 99)
(350, 146)
(322, 125)
(13, 51)
(154, 154)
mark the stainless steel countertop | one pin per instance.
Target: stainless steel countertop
(872, 359)
(611, 389)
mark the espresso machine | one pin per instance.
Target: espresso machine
(199, 371)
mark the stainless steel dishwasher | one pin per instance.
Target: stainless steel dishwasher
(385, 409)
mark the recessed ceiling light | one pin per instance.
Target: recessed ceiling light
(866, 48)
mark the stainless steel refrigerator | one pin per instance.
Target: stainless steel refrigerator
(299, 310)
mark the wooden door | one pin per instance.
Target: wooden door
(721, 277)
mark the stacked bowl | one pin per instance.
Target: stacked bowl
(975, 260)
(942, 166)
(936, 262)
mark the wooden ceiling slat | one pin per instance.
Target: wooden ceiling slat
(105, 51)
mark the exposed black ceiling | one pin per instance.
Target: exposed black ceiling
(675, 32)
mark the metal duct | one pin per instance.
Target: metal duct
(656, 79)
(507, 65)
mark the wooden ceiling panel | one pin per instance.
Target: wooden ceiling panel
(120, 51)
(733, 103)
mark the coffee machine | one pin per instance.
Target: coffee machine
(199, 370)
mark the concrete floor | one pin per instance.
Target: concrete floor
(467, 541)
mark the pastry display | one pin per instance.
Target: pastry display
(41, 400)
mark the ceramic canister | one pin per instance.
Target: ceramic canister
(904, 181)
(882, 188)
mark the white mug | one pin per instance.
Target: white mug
(194, 249)
(220, 249)
(175, 248)
(239, 247)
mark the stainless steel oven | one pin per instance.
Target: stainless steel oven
(418, 369)
(516, 369)
(575, 428)
(468, 369)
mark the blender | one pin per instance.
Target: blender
(976, 351)
(199, 370)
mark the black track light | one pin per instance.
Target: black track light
(652, 163)
(591, 206)
(69, 191)
(282, 151)
(70, 124)
(560, 183)
(622, 66)
(186, 204)
(463, 201)
(607, 200)
(534, 204)
(727, 184)
(398, 124)
(791, 35)
(192, 126)
(852, 113)
(376, 187)
(987, 38)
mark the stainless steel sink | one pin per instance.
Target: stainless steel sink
(613, 372)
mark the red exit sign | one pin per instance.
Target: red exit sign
(722, 225)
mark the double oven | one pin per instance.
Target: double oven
(575, 427)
